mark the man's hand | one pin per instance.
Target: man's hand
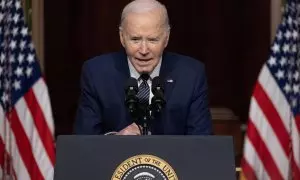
(132, 129)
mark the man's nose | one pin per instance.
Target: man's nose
(144, 48)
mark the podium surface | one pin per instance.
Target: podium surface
(81, 157)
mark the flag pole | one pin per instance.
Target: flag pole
(7, 168)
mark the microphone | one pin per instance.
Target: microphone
(131, 101)
(157, 102)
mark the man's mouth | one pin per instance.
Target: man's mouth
(143, 59)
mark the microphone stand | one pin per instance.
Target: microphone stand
(144, 119)
(145, 126)
(148, 114)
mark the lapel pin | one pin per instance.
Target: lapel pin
(170, 80)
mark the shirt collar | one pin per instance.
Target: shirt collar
(136, 75)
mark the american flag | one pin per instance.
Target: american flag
(272, 141)
(26, 123)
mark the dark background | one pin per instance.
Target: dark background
(231, 37)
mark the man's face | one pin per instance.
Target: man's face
(144, 37)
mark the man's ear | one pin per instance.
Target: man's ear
(167, 39)
(121, 34)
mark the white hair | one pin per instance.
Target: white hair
(142, 6)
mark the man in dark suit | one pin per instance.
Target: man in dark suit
(144, 34)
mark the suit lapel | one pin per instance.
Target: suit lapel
(166, 74)
(121, 65)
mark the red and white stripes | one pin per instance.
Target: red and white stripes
(271, 149)
(27, 135)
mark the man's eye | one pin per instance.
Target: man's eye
(154, 40)
(135, 39)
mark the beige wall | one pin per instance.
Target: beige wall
(38, 29)
(36, 13)
(276, 13)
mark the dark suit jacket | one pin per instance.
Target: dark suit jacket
(101, 105)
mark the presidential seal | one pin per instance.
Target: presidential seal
(144, 167)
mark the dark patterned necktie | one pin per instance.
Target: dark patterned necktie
(144, 90)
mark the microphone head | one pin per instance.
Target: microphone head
(131, 84)
(157, 85)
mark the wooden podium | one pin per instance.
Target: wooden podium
(226, 123)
